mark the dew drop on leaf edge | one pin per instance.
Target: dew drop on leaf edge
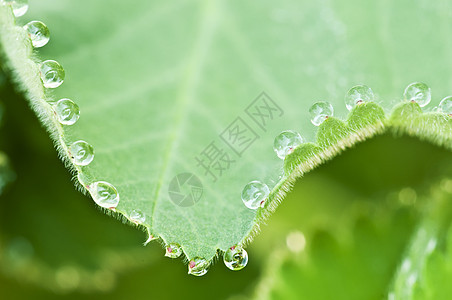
(445, 105)
(38, 32)
(418, 92)
(286, 142)
(357, 95)
(82, 153)
(67, 111)
(254, 194)
(198, 266)
(320, 111)
(173, 250)
(235, 258)
(104, 194)
(137, 216)
(52, 74)
(19, 7)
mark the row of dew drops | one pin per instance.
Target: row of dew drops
(82, 154)
(255, 193)
(66, 111)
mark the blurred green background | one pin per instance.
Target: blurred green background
(347, 239)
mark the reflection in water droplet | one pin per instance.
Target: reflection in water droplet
(67, 111)
(173, 250)
(104, 194)
(445, 105)
(198, 266)
(320, 111)
(38, 32)
(235, 258)
(254, 194)
(418, 92)
(286, 142)
(82, 153)
(137, 216)
(20, 7)
(357, 95)
(52, 74)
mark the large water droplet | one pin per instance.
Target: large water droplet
(357, 95)
(52, 74)
(446, 105)
(137, 216)
(104, 194)
(19, 7)
(173, 250)
(285, 142)
(320, 111)
(418, 92)
(82, 153)
(198, 266)
(38, 32)
(67, 111)
(235, 258)
(254, 194)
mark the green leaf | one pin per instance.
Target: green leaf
(158, 83)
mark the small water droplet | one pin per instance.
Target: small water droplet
(19, 7)
(173, 250)
(52, 74)
(82, 153)
(254, 194)
(320, 111)
(286, 142)
(38, 32)
(198, 266)
(104, 194)
(446, 105)
(67, 111)
(357, 95)
(418, 92)
(137, 216)
(235, 258)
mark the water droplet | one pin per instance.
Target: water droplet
(320, 111)
(198, 266)
(357, 95)
(38, 32)
(19, 7)
(418, 92)
(173, 250)
(285, 142)
(137, 216)
(82, 153)
(235, 258)
(52, 74)
(104, 194)
(446, 105)
(67, 111)
(254, 194)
